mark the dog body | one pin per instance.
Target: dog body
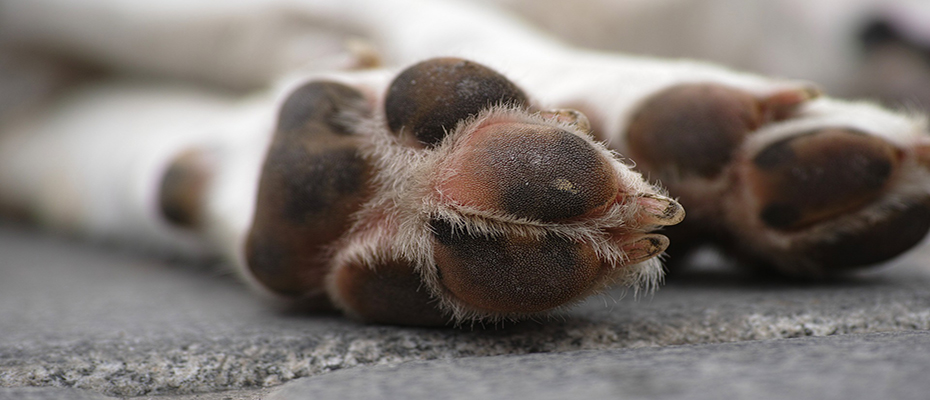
(803, 184)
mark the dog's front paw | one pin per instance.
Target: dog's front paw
(455, 200)
(807, 186)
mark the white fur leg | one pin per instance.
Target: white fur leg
(93, 164)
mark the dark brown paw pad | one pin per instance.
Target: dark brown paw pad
(692, 129)
(183, 188)
(428, 99)
(529, 171)
(512, 274)
(894, 232)
(695, 129)
(312, 181)
(387, 292)
(834, 197)
(809, 178)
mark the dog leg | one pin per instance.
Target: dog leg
(616, 92)
(93, 164)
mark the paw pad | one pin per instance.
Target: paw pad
(389, 292)
(313, 180)
(901, 229)
(692, 129)
(819, 175)
(512, 274)
(428, 99)
(183, 188)
(533, 172)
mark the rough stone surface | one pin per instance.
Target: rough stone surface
(874, 366)
(48, 393)
(79, 316)
(57, 393)
(242, 394)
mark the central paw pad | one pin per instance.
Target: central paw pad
(528, 171)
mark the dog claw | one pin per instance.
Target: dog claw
(569, 116)
(645, 248)
(660, 210)
(782, 104)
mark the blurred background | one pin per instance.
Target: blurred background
(877, 49)
(872, 49)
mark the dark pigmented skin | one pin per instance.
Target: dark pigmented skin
(693, 129)
(182, 189)
(506, 274)
(389, 292)
(816, 176)
(573, 163)
(900, 231)
(318, 103)
(431, 97)
(327, 178)
(533, 172)
(312, 182)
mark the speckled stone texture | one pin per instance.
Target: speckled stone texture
(874, 366)
(86, 317)
(48, 393)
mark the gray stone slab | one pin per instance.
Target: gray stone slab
(73, 315)
(242, 394)
(873, 366)
(49, 393)
(64, 393)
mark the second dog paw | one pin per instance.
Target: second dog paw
(809, 187)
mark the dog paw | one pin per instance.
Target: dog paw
(807, 186)
(452, 199)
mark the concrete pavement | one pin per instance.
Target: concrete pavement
(115, 324)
